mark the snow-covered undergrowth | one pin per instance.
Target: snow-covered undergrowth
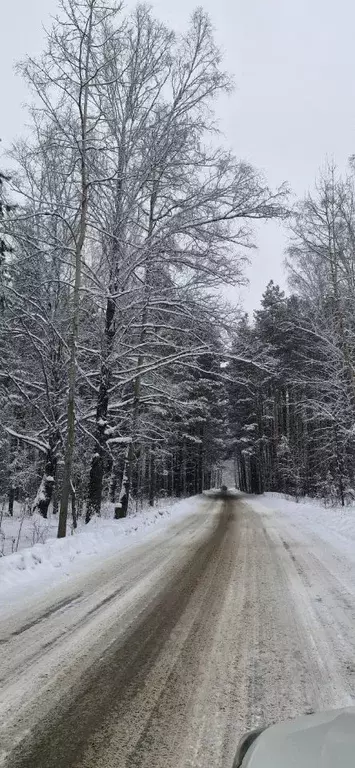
(24, 530)
(50, 558)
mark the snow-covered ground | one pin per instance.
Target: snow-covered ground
(333, 525)
(315, 548)
(227, 617)
(54, 634)
(40, 559)
(34, 559)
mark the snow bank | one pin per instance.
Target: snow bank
(46, 562)
(333, 525)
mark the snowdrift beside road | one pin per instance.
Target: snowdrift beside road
(333, 525)
(40, 565)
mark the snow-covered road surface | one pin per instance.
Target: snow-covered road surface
(166, 654)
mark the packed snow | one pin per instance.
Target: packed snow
(250, 619)
(334, 525)
(41, 559)
(32, 556)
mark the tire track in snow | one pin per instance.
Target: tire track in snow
(242, 625)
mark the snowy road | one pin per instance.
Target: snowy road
(164, 656)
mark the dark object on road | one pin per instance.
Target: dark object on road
(224, 490)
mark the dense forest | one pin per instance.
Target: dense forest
(122, 217)
(124, 374)
(292, 415)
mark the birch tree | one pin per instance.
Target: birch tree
(132, 82)
(129, 218)
(199, 199)
(65, 81)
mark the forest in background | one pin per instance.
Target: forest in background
(124, 375)
(292, 416)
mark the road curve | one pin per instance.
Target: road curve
(170, 654)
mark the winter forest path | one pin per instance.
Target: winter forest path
(165, 656)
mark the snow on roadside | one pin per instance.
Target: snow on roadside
(333, 525)
(24, 530)
(41, 565)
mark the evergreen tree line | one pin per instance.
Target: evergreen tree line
(121, 219)
(292, 406)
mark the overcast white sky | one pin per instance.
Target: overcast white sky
(294, 103)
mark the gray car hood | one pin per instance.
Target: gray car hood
(323, 740)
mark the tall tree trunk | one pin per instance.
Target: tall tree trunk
(45, 491)
(97, 462)
(152, 483)
(74, 512)
(58, 480)
(170, 464)
(79, 245)
(131, 454)
(121, 508)
(339, 467)
(11, 499)
(115, 469)
(177, 473)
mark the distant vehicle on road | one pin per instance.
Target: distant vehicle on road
(224, 490)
